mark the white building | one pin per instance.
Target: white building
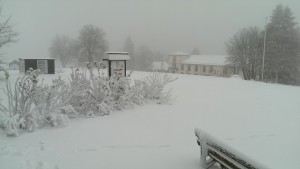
(14, 65)
(209, 65)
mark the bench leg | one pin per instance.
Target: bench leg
(204, 154)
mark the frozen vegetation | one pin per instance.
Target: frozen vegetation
(32, 104)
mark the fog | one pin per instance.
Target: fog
(163, 25)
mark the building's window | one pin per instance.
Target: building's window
(196, 68)
(174, 59)
(211, 68)
(42, 65)
(189, 67)
(182, 67)
(204, 68)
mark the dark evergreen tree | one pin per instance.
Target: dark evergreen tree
(281, 47)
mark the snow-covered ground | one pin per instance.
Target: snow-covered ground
(259, 120)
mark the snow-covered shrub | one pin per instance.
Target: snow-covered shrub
(57, 119)
(153, 87)
(9, 123)
(125, 95)
(32, 104)
(26, 91)
(59, 70)
(52, 104)
(103, 95)
(17, 114)
(79, 86)
(98, 100)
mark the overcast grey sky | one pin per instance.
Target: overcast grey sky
(163, 25)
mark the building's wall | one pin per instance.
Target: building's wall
(207, 70)
(175, 62)
(14, 66)
(51, 67)
(32, 63)
(176, 66)
(22, 65)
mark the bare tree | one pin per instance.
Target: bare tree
(245, 49)
(7, 34)
(92, 43)
(63, 48)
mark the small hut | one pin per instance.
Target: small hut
(46, 65)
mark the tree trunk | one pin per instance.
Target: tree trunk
(245, 75)
(276, 76)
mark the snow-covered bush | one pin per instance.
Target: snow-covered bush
(153, 87)
(17, 114)
(102, 95)
(26, 91)
(125, 95)
(79, 86)
(32, 104)
(98, 99)
(52, 104)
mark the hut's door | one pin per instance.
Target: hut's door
(42, 65)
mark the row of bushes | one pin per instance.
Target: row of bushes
(33, 104)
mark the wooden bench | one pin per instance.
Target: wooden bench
(213, 151)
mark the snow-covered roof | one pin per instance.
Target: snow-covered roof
(179, 54)
(14, 62)
(38, 58)
(206, 60)
(160, 65)
(117, 56)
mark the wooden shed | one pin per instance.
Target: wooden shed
(46, 65)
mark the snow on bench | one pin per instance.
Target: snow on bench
(213, 150)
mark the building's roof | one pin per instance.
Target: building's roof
(116, 52)
(14, 62)
(179, 54)
(206, 60)
(116, 56)
(37, 58)
(160, 65)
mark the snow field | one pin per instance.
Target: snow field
(258, 119)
